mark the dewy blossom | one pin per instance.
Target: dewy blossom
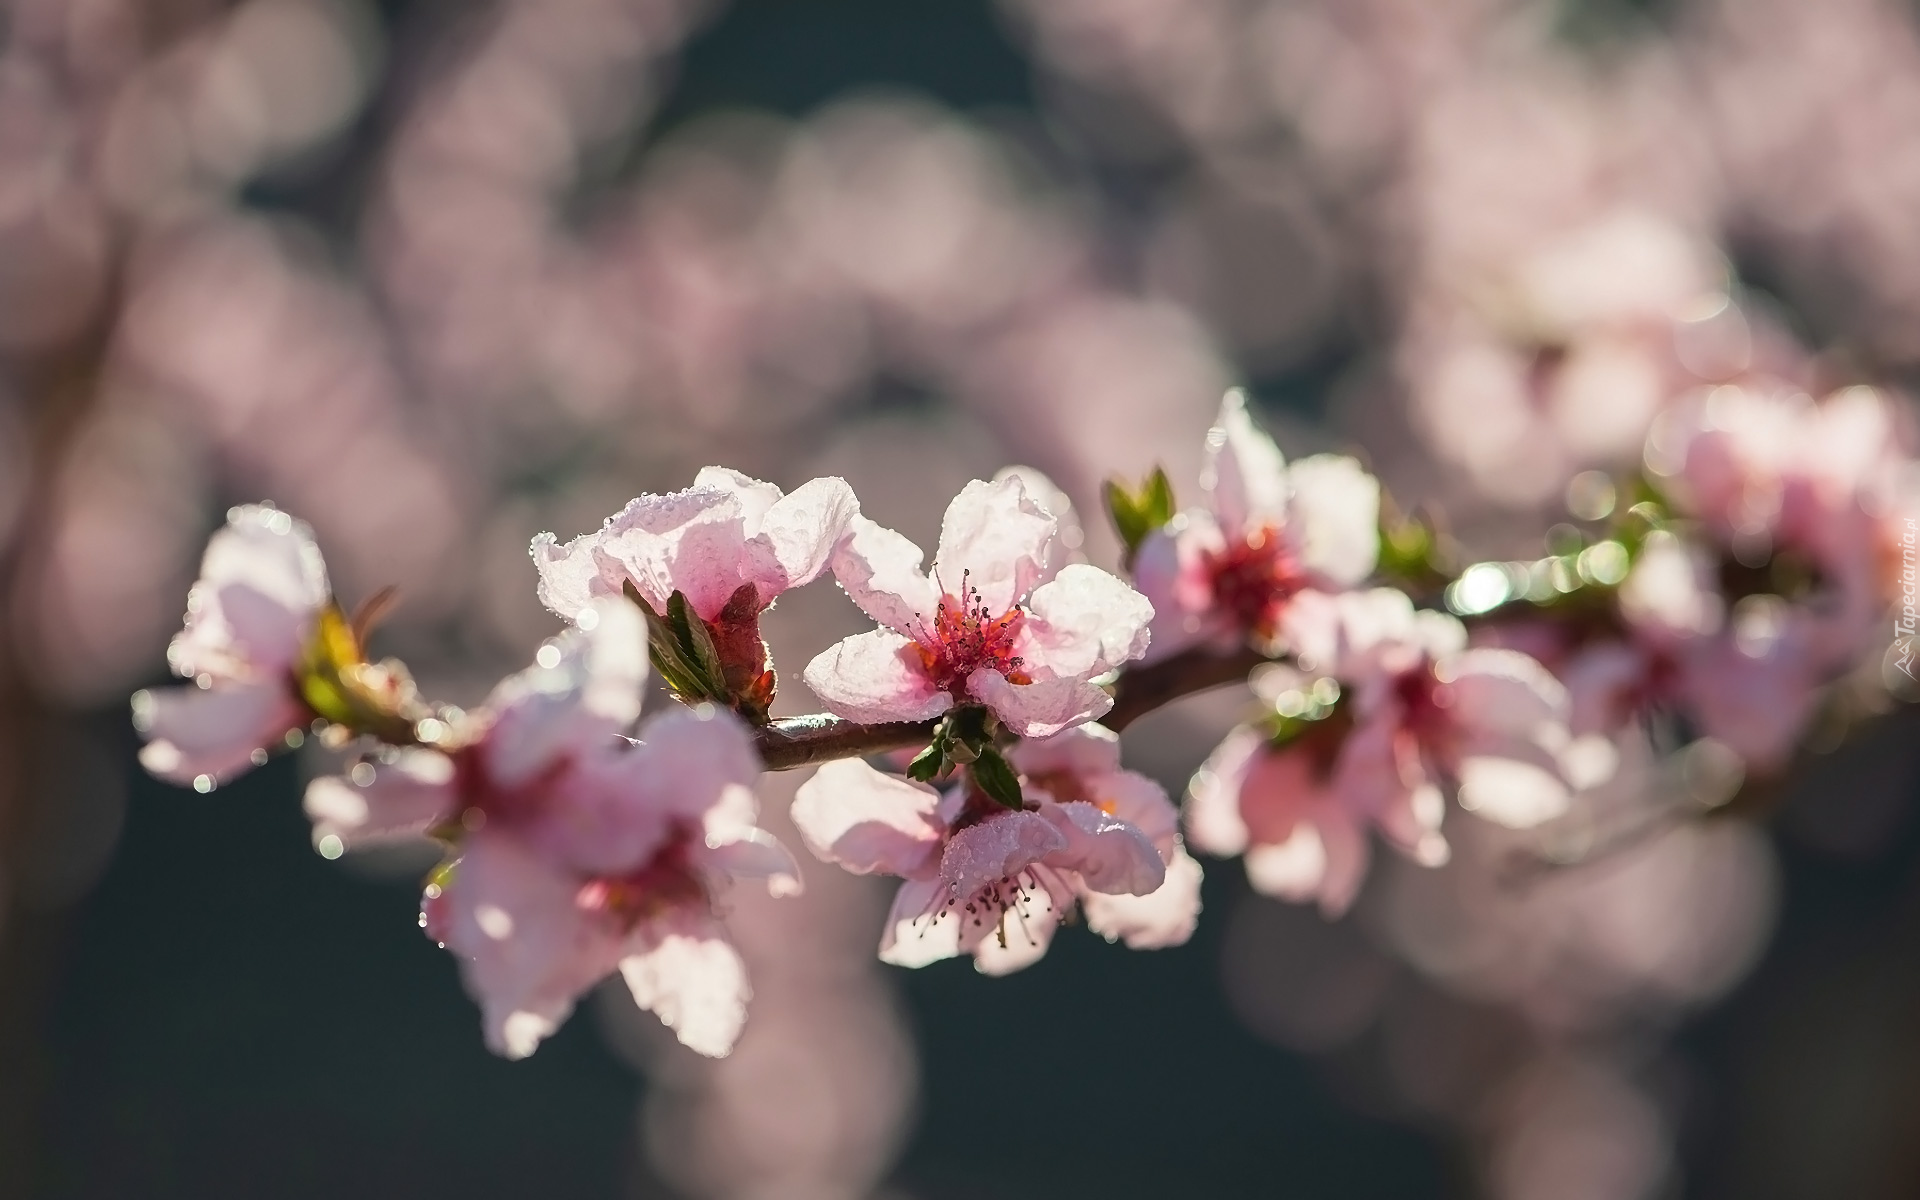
(1410, 715)
(982, 629)
(579, 853)
(989, 881)
(730, 544)
(1775, 581)
(250, 617)
(1227, 573)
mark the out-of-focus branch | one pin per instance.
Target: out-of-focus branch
(804, 741)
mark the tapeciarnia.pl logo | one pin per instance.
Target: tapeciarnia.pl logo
(1904, 628)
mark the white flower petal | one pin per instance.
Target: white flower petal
(867, 821)
(1084, 623)
(1108, 854)
(1027, 927)
(1245, 476)
(690, 541)
(261, 583)
(998, 537)
(874, 677)
(400, 798)
(792, 542)
(920, 927)
(1041, 708)
(686, 972)
(1000, 847)
(214, 732)
(1334, 517)
(591, 693)
(571, 575)
(1166, 917)
(880, 571)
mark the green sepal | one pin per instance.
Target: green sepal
(995, 777)
(1137, 512)
(680, 648)
(929, 763)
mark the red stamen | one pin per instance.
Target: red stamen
(1253, 581)
(966, 637)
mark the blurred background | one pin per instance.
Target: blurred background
(436, 275)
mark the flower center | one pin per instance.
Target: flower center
(966, 637)
(1253, 580)
(666, 881)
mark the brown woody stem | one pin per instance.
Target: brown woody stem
(791, 742)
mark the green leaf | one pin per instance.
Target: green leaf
(995, 776)
(696, 645)
(1137, 512)
(928, 764)
(667, 653)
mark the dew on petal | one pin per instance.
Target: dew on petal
(203, 784)
(362, 774)
(329, 847)
(548, 656)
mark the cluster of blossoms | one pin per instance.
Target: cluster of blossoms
(581, 841)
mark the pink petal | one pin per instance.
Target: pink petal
(998, 537)
(1334, 518)
(757, 497)
(571, 576)
(791, 544)
(685, 971)
(1503, 692)
(261, 583)
(1028, 927)
(1082, 751)
(880, 572)
(1140, 802)
(747, 852)
(1166, 917)
(920, 927)
(1000, 847)
(1213, 818)
(874, 677)
(528, 950)
(1051, 497)
(691, 541)
(868, 822)
(1041, 708)
(214, 731)
(1085, 623)
(1519, 788)
(401, 798)
(1325, 861)
(1245, 475)
(588, 696)
(1108, 854)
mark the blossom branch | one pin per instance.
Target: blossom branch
(806, 741)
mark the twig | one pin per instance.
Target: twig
(791, 742)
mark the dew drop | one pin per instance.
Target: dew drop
(549, 656)
(259, 756)
(203, 784)
(329, 847)
(294, 738)
(362, 774)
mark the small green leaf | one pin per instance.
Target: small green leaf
(995, 776)
(696, 646)
(1157, 498)
(928, 764)
(665, 651)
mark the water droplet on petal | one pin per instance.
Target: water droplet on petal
(259, 756)
(330, 847)
(203, 784)
(362, 774)
(548, 656)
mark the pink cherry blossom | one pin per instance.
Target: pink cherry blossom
(1415, 715)
(251, 614)
(992, 882)
(580, 853)
(709, 541)
(983, 628)
(1083, 764)
(1775, 583)
(1227, 572)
